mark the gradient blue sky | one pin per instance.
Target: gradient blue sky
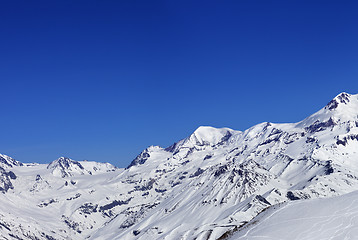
(102, 80)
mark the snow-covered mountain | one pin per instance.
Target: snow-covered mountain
(210, 185)
(65, 167)
(8, 162)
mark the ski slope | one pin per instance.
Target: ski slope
(333, 218)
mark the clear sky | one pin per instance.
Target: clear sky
(103, 80)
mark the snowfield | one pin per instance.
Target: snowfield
(333, 218)
(271, 181)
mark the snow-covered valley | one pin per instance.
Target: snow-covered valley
(211, 185)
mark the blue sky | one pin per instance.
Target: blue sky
(102, 80)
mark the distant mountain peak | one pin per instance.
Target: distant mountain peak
(64, 162)
(65, 167)
(144, 155)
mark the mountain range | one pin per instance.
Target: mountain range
(217, 183)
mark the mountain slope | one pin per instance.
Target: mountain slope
(202, 187)
(8, 162)
(330, 218)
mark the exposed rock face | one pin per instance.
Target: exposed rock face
(343, 98)
(5, 180)
(8, 162)
(141, 158)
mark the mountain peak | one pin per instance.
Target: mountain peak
(65, 166)
(63, 162)
(144, 155)
(203, 136)
(206, 135)
(342, 98)
(6, 161)
(342, 108)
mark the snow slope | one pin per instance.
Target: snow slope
(202, 187)
(317, 219)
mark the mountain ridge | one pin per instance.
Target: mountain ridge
(202, 187)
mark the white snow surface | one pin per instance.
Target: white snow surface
(203, 187)
(333, 218)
